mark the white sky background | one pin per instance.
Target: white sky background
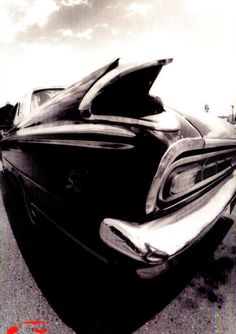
(50, 42)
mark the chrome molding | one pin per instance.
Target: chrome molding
(168, 162)
(76, 129)
(166, 121)
(80, 143)
(168, 236)
(189, 161)
(170, 155)
(213, 143)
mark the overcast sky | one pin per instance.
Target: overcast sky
(49, 42)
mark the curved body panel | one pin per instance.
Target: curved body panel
(113, 168)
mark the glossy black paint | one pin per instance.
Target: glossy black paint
(76, 167)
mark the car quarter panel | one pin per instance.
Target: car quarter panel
(135, 180)
(89, 171)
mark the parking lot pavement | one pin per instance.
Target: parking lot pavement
(208, 303)
(43, 278)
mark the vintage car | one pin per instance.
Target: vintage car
(128, 179)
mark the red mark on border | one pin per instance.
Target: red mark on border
(15, 329)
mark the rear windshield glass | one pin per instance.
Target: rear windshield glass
(41, 96)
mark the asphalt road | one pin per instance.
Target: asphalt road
(44, 277)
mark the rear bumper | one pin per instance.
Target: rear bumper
(157, 242)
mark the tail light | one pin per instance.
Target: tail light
(191, 174)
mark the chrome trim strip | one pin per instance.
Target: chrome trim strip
(79, 143)
(188, 160)
(76, 129)
(171, 234)
(197, 186)
(170, 155)
(203, 155)
(166, 121)
(211, 143)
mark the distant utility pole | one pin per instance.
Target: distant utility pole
(232, 109)
(206, 108)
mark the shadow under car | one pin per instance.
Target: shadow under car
(87, 295)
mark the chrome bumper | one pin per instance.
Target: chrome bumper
(160, 240)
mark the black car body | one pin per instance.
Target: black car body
(121, 174)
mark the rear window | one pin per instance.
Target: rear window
(41, 96)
